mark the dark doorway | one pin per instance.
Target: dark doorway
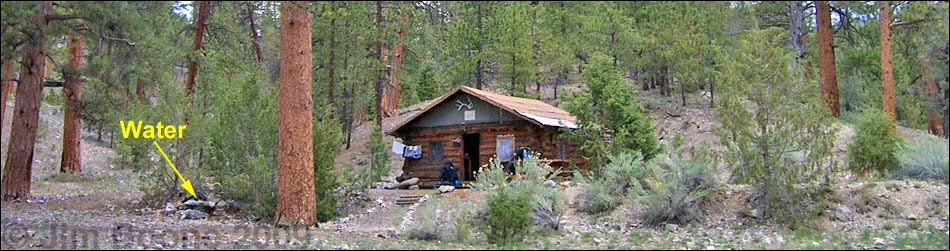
(470, 151)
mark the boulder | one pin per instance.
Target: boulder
(193, 215)
(169, 209)
(550, 183)
(446, 189)
(756, 214)
(414, 187)
(844, 213)
(672, 227)
(200, 205)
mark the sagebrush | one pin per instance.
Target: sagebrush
(682, 186)
(619, 181)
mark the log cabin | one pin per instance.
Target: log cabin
(470, 127)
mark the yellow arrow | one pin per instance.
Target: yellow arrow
(186, 184)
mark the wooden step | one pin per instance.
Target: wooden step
(408, 200)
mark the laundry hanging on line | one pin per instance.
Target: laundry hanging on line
(407, 151)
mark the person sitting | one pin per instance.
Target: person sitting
(449, 175)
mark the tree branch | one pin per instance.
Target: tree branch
(126, 41)
(11, 79)
(53, 17)
(53, 83)
(907, 23)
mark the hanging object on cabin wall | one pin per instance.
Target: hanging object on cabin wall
(470, 115)
(411, 152)
(505, 148)
(460, 104)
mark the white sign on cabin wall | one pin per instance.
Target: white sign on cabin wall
(469, 115)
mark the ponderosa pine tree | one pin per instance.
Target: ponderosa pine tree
(71, 161)
(7, 86)
(296, 202)
(255, 38)
(19, 164)
(887, 70)
(826, 58)
(200, 22)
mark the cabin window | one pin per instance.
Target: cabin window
(435, 152)
(505, 148)
(561, 151)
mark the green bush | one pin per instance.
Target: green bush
(609, 119)
(237, 135)
(776, 131)
(379, 155)
(682, 186)
(327, 144)
(925, 158)
(875, 145)
(254, 188)
(490, 176)
(509, 215)
(618, 181)
(547, 202)
(513, 207)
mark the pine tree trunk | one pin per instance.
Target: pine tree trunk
(200, 23)
(392, 91)
(331, 65)
(797, 28)
(932, 95)
(140, 90)
(887, 71)
(7, 87)
(19, 164)
(826, 58)
(478, 63)
(72, 92)
(255, 38)
(381, 63)
(296, 201)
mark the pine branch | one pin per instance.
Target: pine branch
(908, 23)
(60, 17)
(126, 41)
(53, 83)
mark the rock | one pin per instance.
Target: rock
(844, 213)
(446, 189)
(414, 187)
(879, 243)
(550, 183)
(193, 215)
(169, 209)
(672, 227)
(911, 217)
(756, 214)
(200, 205)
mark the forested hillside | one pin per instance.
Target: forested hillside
(718, 125)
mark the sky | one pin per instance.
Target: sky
(183, 8)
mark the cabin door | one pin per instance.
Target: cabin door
(470, 154)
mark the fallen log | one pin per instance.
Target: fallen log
(404, 184)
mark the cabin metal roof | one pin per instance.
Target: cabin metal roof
(532, 110)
